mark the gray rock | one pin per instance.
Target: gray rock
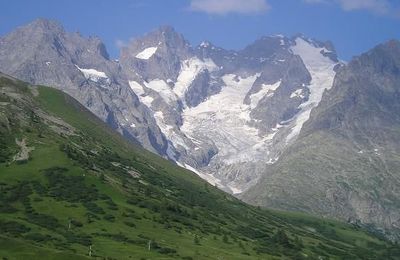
(43, 53)
(345, 161)
(165, 63)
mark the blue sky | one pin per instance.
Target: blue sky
(354, 26)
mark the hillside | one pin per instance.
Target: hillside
(345, 163)
(71, 187)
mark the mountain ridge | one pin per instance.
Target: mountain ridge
(164, 80)
(227, 115)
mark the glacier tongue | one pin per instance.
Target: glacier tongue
(224, 118)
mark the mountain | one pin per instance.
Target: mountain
(345, 162)
(70, 187)
(244, 120)
(225, 114)
(43, 53)
(228, 114)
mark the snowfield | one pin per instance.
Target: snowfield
(322, 72)
(190, 69)
(92, 74)
(224, 119)
(266, 90)
(146, 53)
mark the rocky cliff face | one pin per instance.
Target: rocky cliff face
(43, 53)
(345, 162)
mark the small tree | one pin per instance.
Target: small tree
(281, 238)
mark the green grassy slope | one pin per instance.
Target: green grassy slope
(84, 186)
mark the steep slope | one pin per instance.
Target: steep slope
(70, 187)
(43, 53)
(345, 163)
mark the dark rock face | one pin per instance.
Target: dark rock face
(345, 161)
(281, 106)
(201, 88)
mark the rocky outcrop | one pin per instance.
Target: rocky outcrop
(43, 53)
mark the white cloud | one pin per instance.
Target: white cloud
(222, 7)
(374, 6)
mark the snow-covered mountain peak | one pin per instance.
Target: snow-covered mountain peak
(224, 112)
(312, 54)
(205, 44)
(326, 48)
(227, 114)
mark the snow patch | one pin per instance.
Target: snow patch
(147, 100)
(147, 53)
(207, 177)
(137, 88)
(322, 72)
(235, 190)
(162, 88)
(297, 93)
(266, 90)
(92, 74)
(140, 92)
(169, 130)
(189, 70)
(204, 44)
